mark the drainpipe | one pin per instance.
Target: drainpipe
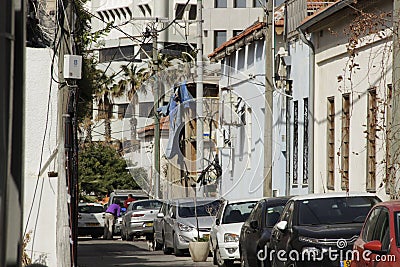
(307, 41)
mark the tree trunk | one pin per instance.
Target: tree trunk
(107, 129)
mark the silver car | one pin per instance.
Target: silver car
(158, 225)
(180, 224)
(138, 219)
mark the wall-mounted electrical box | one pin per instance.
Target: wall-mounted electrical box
(72, 67)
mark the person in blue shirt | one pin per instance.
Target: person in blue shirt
(113, 211)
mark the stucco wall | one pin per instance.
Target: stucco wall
(243, 163)
(300, 76)
(44, 209)
(333, 79)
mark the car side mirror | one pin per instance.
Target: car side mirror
(254, 225)
(217, 221)
(160, 215)
(375, 247)
(282, 225)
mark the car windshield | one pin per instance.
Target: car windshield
(335, 210)
(146, 205)
(203, 209)
(237, 212)
(90, 209)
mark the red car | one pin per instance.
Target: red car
(379, 241)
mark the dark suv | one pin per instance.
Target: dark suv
(319, 230)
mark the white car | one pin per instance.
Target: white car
(90, 219)
(225, 231)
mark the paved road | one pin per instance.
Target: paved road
(110, 253)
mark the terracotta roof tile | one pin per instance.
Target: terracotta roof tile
(164, 125)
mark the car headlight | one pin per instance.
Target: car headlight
(229, 237)
(184, 227)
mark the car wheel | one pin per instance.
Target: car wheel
(95, 236)
(178, 252)
(123, 236)
(166, 250)
(156, 244)
(129, 237)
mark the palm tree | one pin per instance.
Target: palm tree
(104, 96)
(131, 84)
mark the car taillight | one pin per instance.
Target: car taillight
(137, 215)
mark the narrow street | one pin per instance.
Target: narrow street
(107, 253)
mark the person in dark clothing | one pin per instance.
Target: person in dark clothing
(113, 211)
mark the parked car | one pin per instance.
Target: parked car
(225, 231)
(122, 195)
(180, 223)
(90, 219)
(138, 219)
(312, 225)
(158, 225)
(255, 233)
(379, 241)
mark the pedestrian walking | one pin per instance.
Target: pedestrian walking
(112, 212)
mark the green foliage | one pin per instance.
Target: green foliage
(102, 169)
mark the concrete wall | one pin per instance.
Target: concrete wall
(228, 19)
(44, 209)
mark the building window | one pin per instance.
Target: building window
(295, 141)
(220, 3)
(259, 3)
(122, 111)
(389, 111)
(371, 140)
(305, 143)
(236, 32)
(180, 9)
(344, 151)
(192, 12)
(331, 143)
(250, 54)
(121, 53)
(219, 38)
(239, 3)
(146, 109)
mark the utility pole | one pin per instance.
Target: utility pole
(156, 118)
(199, 89)
(394, 119)
(268, 122)
(67, 159)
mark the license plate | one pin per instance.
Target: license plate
(345, 263)
(149, 224)
(93, 224)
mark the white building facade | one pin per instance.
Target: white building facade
(41, 192)
(351, 101)
(242, 113)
